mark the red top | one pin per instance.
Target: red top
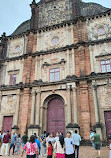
(49, 150)
(6, 138)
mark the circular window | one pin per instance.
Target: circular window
(101, 31)
(55, 40)
(17, 49)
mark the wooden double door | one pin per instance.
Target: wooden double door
(107, 115)
(7, 123)
(56, 116)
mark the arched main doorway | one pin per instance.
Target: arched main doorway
(56, 116)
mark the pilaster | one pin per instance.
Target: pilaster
(32, 108)
(0, 111)
(15, 121)
(97, 114)
(68, 106)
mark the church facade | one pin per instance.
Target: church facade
(55, 70)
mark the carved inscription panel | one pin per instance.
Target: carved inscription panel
(8, 104)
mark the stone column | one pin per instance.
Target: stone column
(31, 129)
(75, 126)
(68, 107)
(15, 121)
(0, 111)
(97, 114)
(73, 62)
(97, 119)
(67, 64)
(32, 108)
(0, 99)
(36, 68)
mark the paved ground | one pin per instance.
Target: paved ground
(85, 152)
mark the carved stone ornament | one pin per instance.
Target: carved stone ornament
(16, 48)
(101, 30)
(54, 39)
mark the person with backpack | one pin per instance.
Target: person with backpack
(18, 144)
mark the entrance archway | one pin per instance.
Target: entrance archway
(56, 116)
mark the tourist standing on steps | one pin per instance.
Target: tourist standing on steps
(24, 139)
(51, 139)
(91, 138)
(31, 148)
(38, 144)
(57, 137)
(3, 134)
(109, 141)
(69, 146)
(97, 142)
(43, 143)
(18, 144)
(0, 139)
(59, 147)
(13, 142)
(76, 138)
(5, 145)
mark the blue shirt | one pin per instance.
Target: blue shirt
(14, 138)
(38, 143)
(76, 139)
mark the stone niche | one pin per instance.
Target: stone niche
(8, 104)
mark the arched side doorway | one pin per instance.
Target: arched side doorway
(56, 115)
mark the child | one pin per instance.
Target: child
(109, 140)
(49, 150)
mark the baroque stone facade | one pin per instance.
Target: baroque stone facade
(59, 61)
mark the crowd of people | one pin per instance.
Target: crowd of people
(46, 144)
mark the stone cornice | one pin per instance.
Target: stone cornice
(69, 79)
(108, 12)
(103, 55)
(68, 47)
(64, 23)
(53, 27)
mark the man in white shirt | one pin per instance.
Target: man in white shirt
(69, 146)
(76, 139)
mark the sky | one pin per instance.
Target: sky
(14, 12)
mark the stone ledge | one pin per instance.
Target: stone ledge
(15, 127)
(34, 127)
(70, 125)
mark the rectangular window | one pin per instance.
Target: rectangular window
(106, 66)
(13, 79)
(54, 75)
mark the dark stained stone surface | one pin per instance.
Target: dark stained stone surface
(86, 10)
(90, 9)
(22, 28)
